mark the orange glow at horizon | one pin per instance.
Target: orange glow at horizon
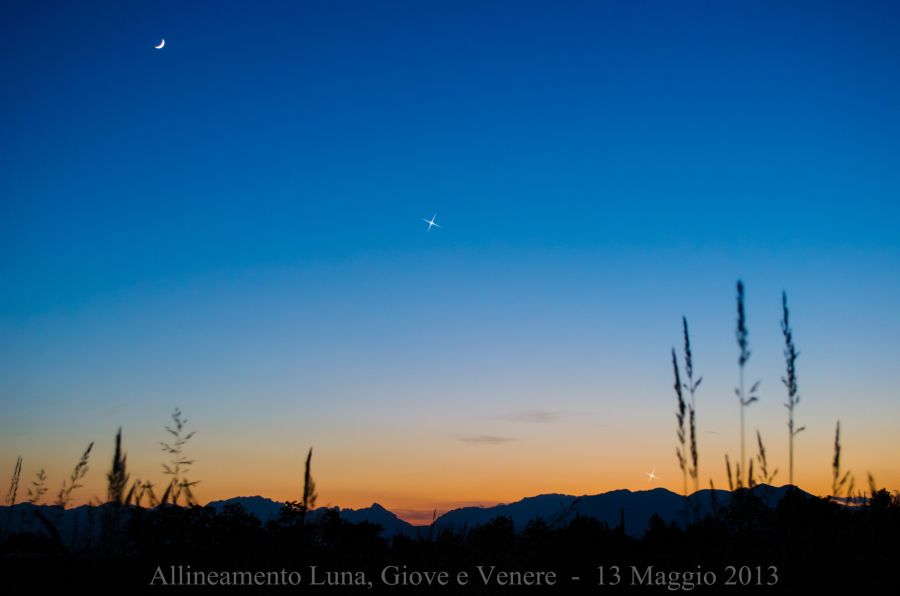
(412, 475)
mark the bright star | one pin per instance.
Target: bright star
(651, 476)
(431, 223)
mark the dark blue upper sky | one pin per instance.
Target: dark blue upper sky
(283, 131)
(582, 157)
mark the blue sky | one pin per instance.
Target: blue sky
(234, 222)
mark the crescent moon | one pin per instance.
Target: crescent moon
(161, 44)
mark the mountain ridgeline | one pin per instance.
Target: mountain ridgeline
(635, 508)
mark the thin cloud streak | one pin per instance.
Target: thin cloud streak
(539, 416)
(484, 439)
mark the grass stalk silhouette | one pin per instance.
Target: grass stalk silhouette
(873, 487)
(12, 493)
(713, 500)
(309, 488)
(147, 490)
(680, 450)
(178, 466)
(293, 513)
(78, 473)
(117, 478)
(36, 492)
(139, 491)
(728, 474)
(38, 487)
(686, 415)
(744, 399)
(691, 386)
(763, 461)
(117, 481)
(736, 478)
(790, 382)
(841, 482)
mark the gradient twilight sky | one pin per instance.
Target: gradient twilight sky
(233, 225)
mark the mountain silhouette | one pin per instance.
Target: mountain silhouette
(555, 509)
(264, 509)
(638, 507)
(267, 510)
(558, 509)
(376, 514)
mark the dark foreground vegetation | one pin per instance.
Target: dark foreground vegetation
(803, 543)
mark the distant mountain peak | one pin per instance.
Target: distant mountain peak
(544, 497)
(257, 498)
